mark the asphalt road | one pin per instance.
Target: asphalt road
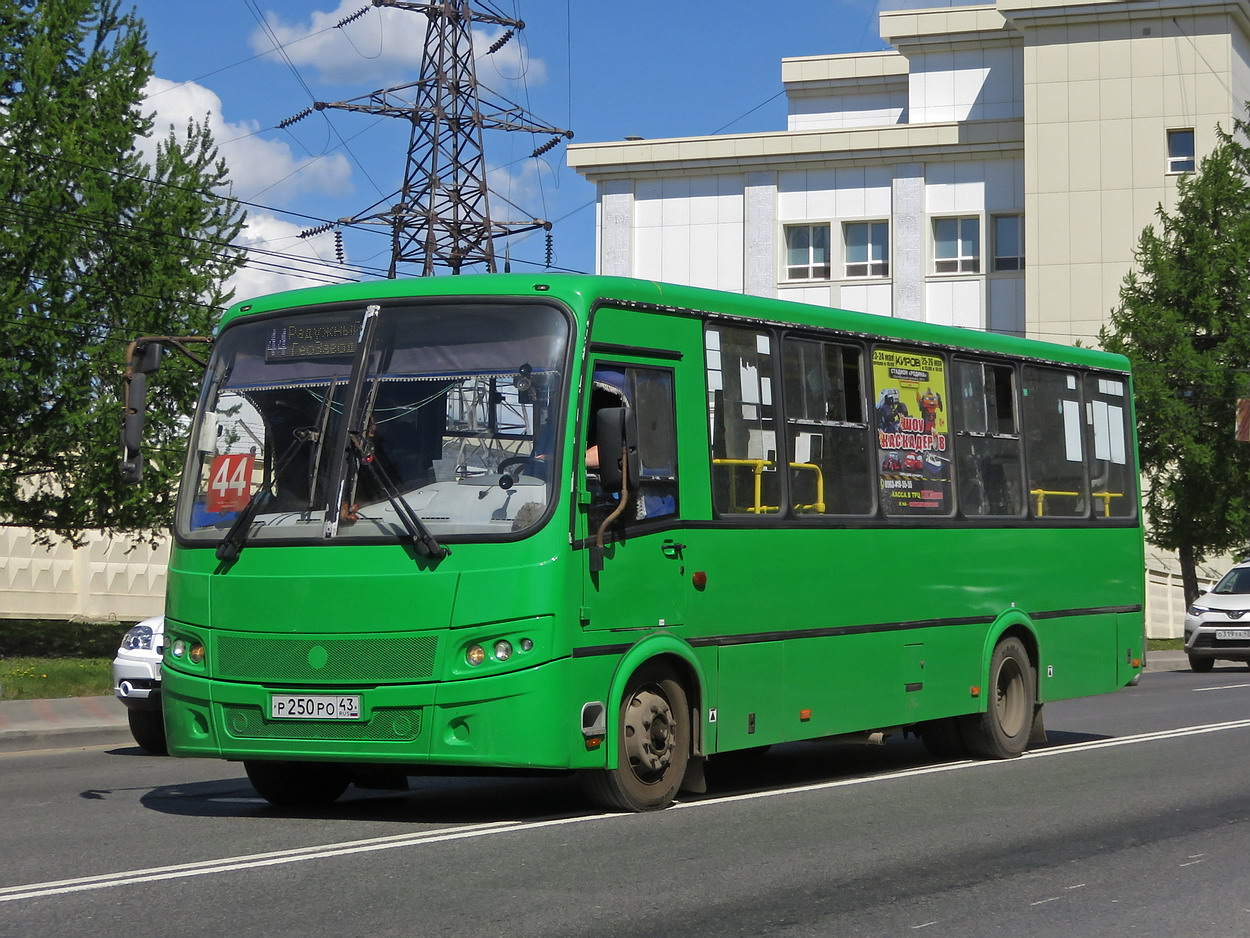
(1133, 820)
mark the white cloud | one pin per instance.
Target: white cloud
(519, 185)
(383, 47)
(259, 167)
(312, 262)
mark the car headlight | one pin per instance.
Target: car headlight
(1197, 610)
(139, 638)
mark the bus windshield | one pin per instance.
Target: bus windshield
(456, 408)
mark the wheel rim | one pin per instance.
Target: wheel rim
(650, 733)
(1009, 704)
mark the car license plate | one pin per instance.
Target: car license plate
(1232, 635)
(314, 706)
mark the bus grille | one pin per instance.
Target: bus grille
(387, 724)
(325, 660)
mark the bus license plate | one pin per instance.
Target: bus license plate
(1232, 635)
(314, 707)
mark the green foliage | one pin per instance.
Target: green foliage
(96, 248)
(1184, 321)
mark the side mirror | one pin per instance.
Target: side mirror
(145, 358)
(617, 432)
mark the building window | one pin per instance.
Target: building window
(1008, 242)
(867, 249)
(957, 245)
(807, 252)
(1180, 151)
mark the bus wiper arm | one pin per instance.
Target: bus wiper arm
(422, 539)
(232, 544)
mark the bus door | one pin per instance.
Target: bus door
(634, 555)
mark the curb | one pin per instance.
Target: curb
(67, 723)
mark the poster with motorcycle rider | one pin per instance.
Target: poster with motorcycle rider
(913, 433)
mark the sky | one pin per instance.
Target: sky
(651, 68)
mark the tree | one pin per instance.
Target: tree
(96, 247)
(1184, 321)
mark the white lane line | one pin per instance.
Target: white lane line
(298, 855)
(1044, 901)
(1203, 690)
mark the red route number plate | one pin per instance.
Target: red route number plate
(229, 482)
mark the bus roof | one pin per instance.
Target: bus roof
(581, 291)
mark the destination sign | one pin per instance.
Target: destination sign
(313, 340)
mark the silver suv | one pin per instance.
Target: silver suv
(137, 682)
(1217, 625)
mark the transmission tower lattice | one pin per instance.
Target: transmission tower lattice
(441, 214)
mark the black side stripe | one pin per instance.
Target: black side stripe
(755, 637)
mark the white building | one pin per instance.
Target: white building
(993, 170)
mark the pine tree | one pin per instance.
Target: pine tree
(1184, 321)
(96, 247)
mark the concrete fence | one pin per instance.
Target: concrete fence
(105, 579)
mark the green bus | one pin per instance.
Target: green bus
(574, 523)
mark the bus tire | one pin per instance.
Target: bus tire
(297, 784)
(148, 729)
(652, 748)
(1003, 730)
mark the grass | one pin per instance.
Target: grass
(35, 678)
(1165, 644)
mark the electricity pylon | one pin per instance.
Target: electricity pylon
(441, 214)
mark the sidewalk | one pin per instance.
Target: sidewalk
(66, 723)
(101, 721)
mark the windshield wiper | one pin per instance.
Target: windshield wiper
(353, 414)
(236, 536)
(423, 541)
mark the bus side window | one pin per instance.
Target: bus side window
(1112, 476)
(648, 392)
(742, 418)
(827, 433)
(1054, 451)
(987, 440)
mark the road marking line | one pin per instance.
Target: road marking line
(1203, 690)
(1044, 901)
(372, 844)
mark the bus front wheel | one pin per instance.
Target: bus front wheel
(652, 745)
(297, 784)
(1002, 731)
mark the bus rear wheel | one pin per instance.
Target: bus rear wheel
(1002, 731)
(297, 784)
(652, 748)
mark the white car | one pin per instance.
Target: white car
(137, 682)
(1217, 625)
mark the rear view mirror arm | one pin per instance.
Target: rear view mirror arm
(143, 357)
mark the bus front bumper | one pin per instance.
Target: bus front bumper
(504, 721)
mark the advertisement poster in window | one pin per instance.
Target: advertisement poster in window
(913, 432)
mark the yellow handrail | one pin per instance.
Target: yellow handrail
(758, 466)
(1040, 495)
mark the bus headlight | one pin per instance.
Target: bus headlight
(195, 654)
(475, 655)
(503, 650)
(178, 649)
